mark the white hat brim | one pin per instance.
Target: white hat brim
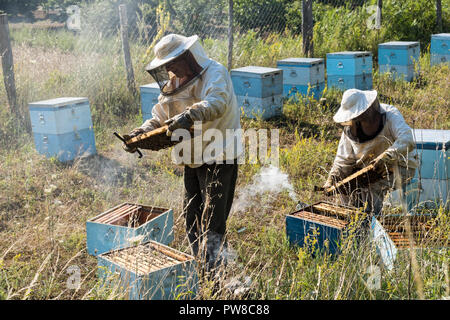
(344, 115)
(155, 63)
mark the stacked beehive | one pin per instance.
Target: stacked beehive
(399, 58)
(62, 127)
(433, 174)
(440, 48)
(302, 76)
(149, 97)
(258, 91)
(130, 240)
(349, 69)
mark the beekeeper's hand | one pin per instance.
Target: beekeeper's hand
(180, 121)
(383, 162)
(135, 132)
(125, 147)
(331, 181)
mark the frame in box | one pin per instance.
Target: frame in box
(120, 226)
(150, 271)
(323, 220)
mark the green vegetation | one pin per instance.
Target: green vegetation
(44, 204)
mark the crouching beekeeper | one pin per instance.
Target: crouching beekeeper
(374, 133)
(195, 90)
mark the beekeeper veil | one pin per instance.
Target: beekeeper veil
(179, 61)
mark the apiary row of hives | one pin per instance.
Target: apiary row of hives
(260, 90)
(131, 243)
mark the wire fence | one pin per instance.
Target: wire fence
(233, 20)
(320, 25)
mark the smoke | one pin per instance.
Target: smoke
(106, 171)
(269, 180)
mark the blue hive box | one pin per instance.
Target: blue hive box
(258, 82)
(433, 174)
(440, 48)
(258, 90)
(349, 69)
(304, 76)
(120, 226)
(362, 82)
(62, 127)
(149, 97)
(407, 73)
(324, 222)
(399, 58)
(149, 271)
(265, 108)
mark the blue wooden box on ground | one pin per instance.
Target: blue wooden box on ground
(302, 76)
(433, 174)
(399, 58)
(349, 69)
(440, 49)
(323, 221)
(149, 97)
(258, 90)
(149, 271)
(126, 223)
(62, 127)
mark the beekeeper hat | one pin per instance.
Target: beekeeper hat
(170, 47)
(354, 103)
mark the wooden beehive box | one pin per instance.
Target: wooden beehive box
(120, 226)
(349, 69)
(323, 220)
(259, 91)
(425, 231)
(150, 271)
(62, 127)
(149, 97)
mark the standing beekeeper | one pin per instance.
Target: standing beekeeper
(374, 133)
(197, 89)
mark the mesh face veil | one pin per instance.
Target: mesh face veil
(177, 74)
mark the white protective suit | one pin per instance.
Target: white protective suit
(212, 101)
(396, 139)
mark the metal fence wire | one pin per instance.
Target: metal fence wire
(225, 25)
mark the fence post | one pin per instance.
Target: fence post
(307, 28)
(379, 13)
(8, 63)
(230, 34)
(439, 15)
(126, 48)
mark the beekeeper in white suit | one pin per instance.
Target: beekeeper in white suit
(373, 133)
(195, 88)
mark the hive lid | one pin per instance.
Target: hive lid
(254, 71)
(348, 54)
(57, 102)
(432, 139)
(399, 44)
(443, 36)
(299, 61)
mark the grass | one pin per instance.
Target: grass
(44, 204)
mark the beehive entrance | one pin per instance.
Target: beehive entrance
(130, 215)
